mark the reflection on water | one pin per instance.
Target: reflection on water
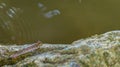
(49, 14)
(52, 13)
(56, 21)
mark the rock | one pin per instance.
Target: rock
(99, 50)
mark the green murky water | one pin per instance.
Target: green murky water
(56, 21)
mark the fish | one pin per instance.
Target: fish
(26, 50)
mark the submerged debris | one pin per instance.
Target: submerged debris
(99, 50)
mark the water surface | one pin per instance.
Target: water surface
(56, 21)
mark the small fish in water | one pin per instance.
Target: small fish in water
(26, 50)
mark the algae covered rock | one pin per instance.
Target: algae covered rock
(96, 51)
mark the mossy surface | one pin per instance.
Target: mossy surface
(96, 51)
